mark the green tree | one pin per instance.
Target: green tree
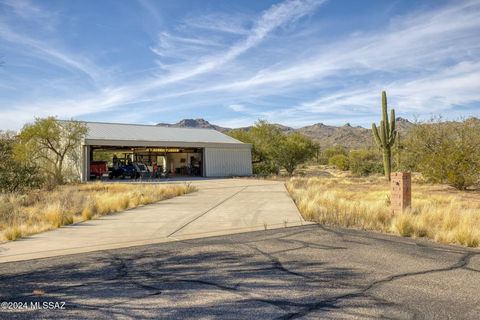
(53, 145)
(386, 138)
(264, 138)
(247, 137)
(15, 176)
(292, 150)
(446, 152)
(272, 149)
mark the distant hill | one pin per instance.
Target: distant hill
(347, 135)
(194, 123)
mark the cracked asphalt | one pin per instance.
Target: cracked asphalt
(306, 272)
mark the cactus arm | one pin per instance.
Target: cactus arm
(392, 122)
(376, 135)
(384, 110)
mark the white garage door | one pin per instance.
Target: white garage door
(223, 162)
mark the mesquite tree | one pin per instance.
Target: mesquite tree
(51, 144)
(385, 139)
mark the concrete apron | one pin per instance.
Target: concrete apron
(219, 207)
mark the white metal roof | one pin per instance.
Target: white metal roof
(136, 132)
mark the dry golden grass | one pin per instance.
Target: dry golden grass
(438, 212)
(22, 215)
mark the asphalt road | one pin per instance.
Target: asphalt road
(307, 272)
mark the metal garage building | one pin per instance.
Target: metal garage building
(177, 151)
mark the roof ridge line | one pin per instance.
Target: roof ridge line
(140, 125)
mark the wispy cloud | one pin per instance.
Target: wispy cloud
(27, 11)
(238, 107)
(270, 20)
(41, 48)
(422, 41)
(218, 23)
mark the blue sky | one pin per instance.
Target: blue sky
(232, 62)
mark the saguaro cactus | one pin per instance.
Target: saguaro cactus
(386, 138)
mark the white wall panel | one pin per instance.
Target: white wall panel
(225, 162)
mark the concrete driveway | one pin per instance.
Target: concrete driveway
(307, 272)
(221, 206)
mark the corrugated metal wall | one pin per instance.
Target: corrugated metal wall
(225, 162)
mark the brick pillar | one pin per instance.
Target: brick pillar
(401, 191)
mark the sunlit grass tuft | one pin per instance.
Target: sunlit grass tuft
(12, 233)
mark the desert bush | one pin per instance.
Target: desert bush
(7, 211)
(12, 233)
(365, 162)
(88, 212)
(327, 153)
(438, 213)
(265, 169)
(446, 152)
(339, 161)
(402, 224)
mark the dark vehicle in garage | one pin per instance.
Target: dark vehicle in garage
(123, 171)
(142, 170)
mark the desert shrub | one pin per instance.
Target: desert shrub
(330, 152)
(88, 212)
(446, 152)
(7, 211)
(265, 169)
(12, 233)
(365, 162)
(402, 224)
(339, 161)
(57, 215)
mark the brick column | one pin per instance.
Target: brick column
(401, 191)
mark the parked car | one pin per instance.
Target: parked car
(123, 171)
(97, 169)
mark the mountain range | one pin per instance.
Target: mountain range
(326, 135)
